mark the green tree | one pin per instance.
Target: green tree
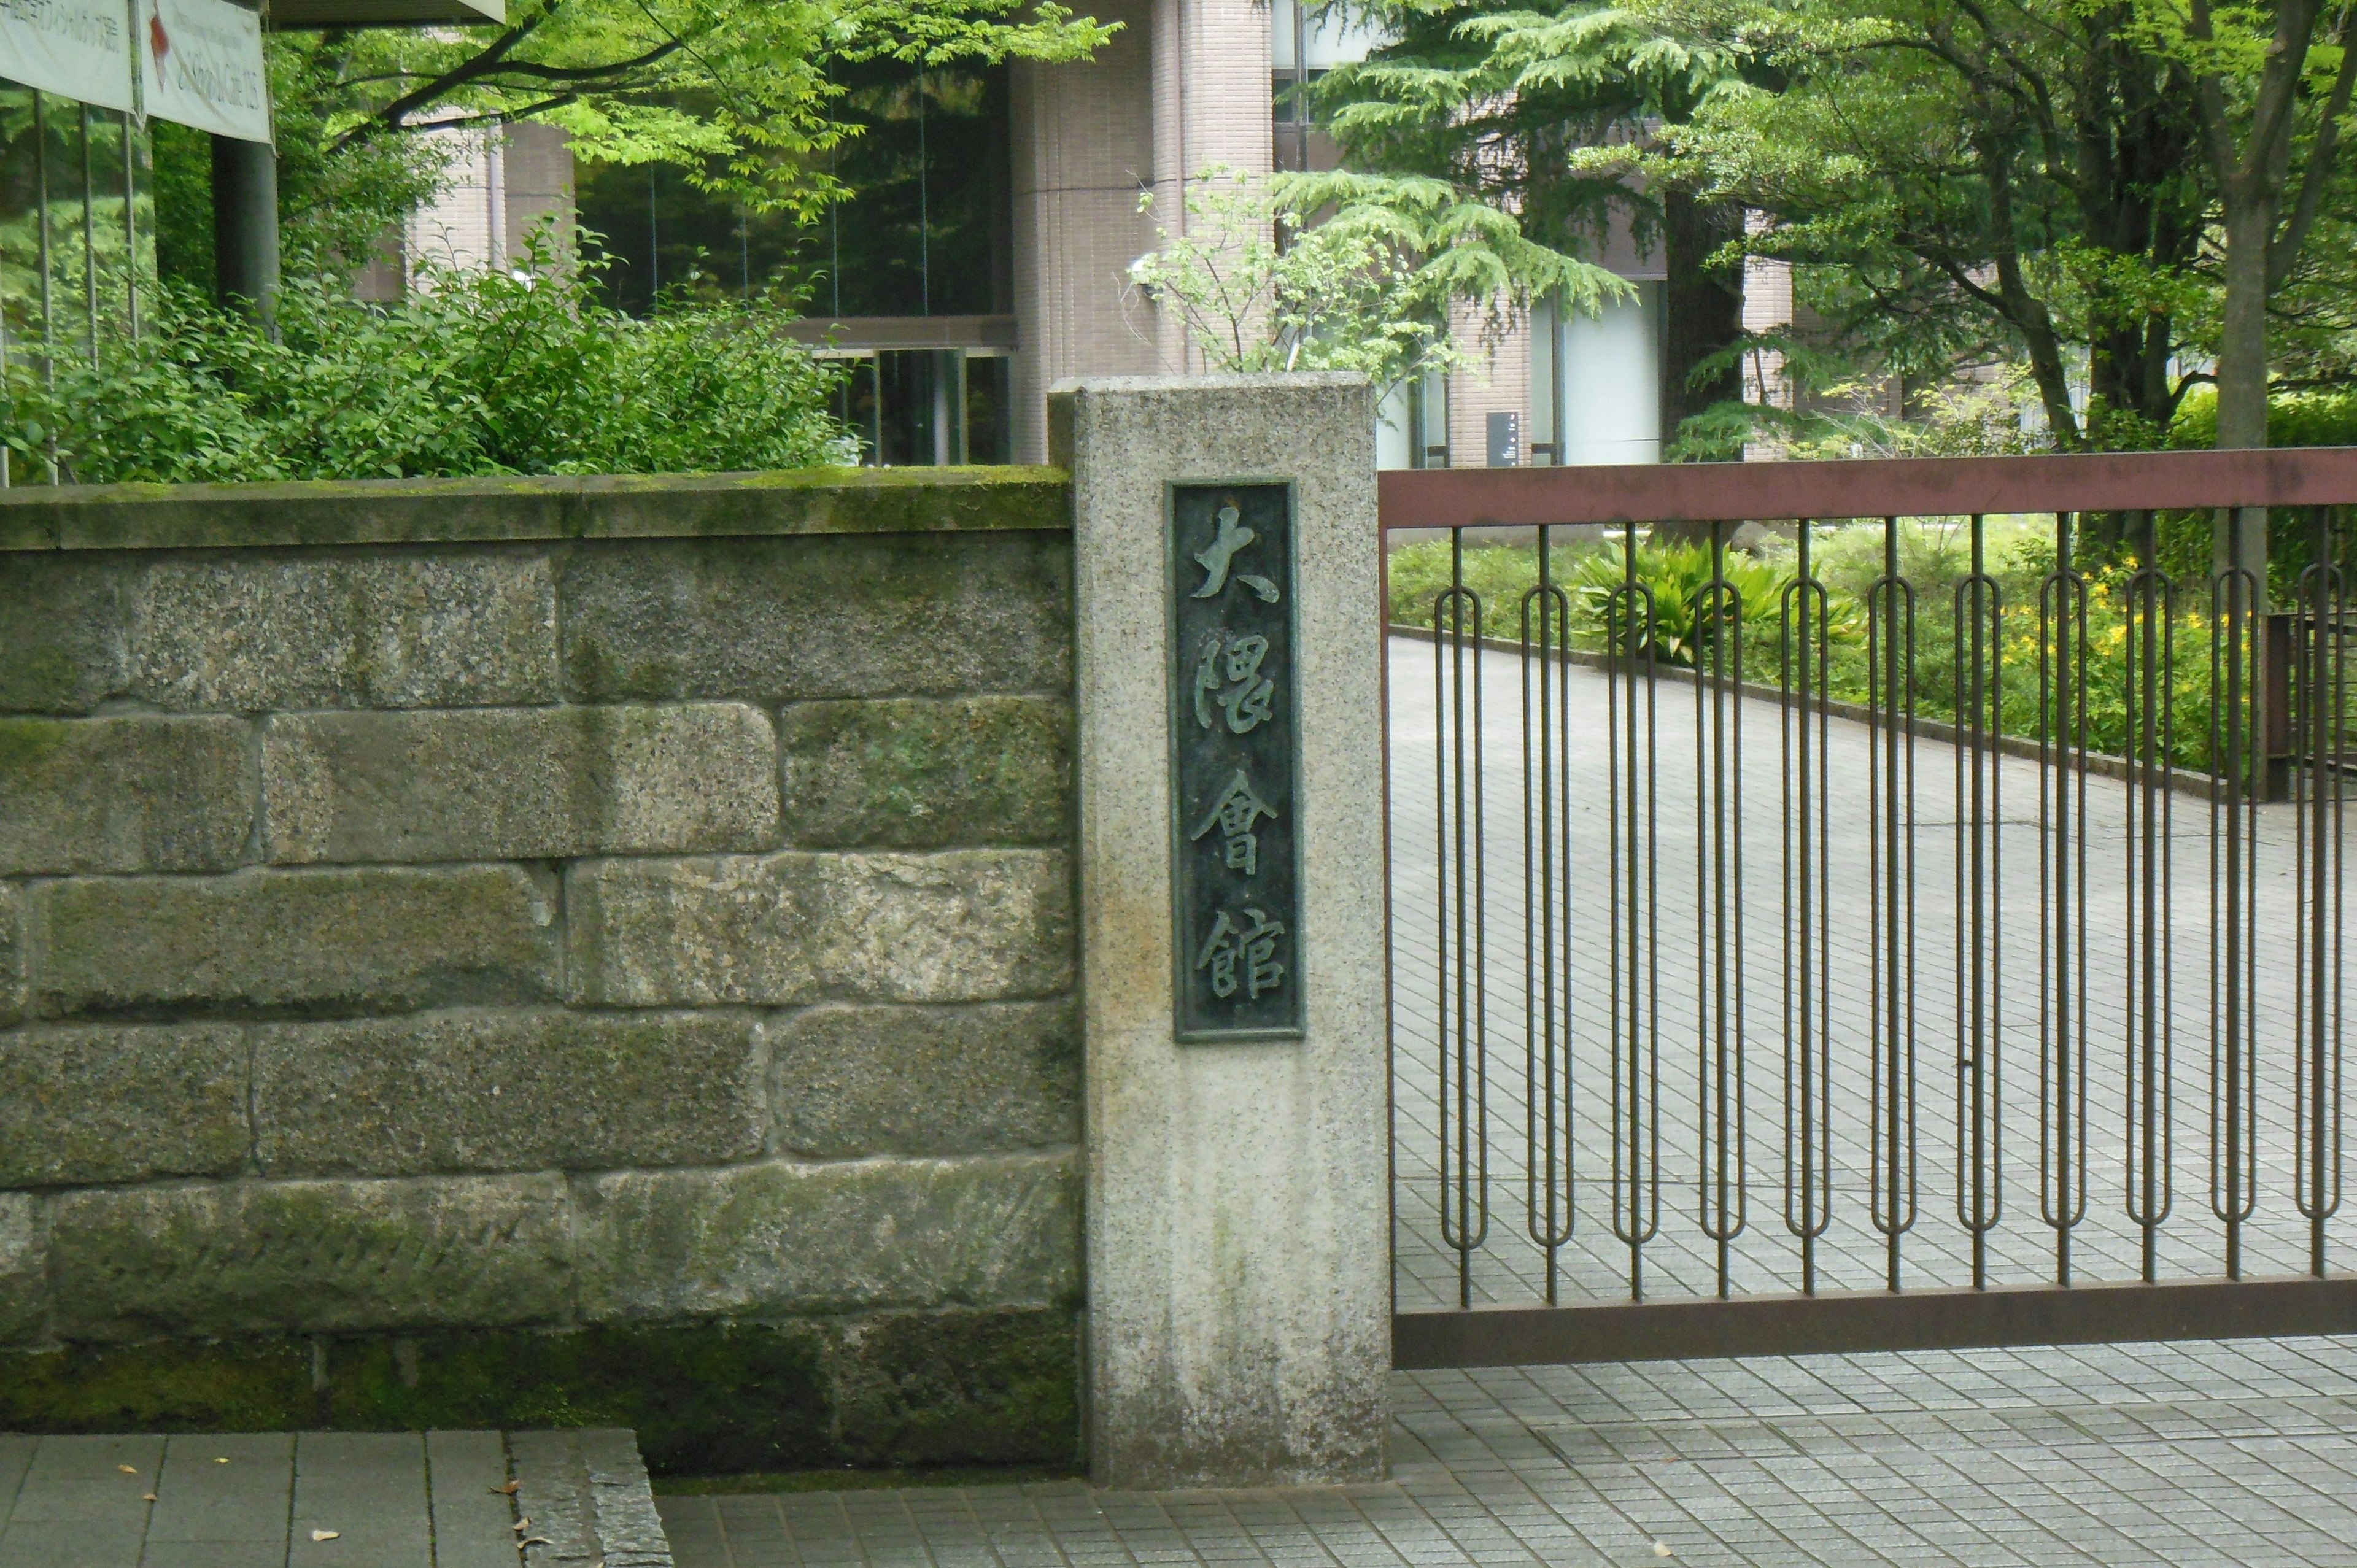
(1550, 115)
(1977, 179)
(2272, 85)
(1344, 270)
(334, 203)
(740, 93)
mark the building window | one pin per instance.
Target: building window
(926, 232)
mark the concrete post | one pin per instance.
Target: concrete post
(245, 221)
(1238, 1266)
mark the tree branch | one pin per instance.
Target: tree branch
(2285, 245)
(393, 115)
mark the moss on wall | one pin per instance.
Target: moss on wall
(904, 1390)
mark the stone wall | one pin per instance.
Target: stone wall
(494, 953)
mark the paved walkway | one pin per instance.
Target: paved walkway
(2186, 1455)
(328, 1499)
(1508, 1267)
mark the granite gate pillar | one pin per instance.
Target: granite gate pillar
(1232, 927)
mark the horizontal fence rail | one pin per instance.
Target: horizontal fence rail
(1818, 883)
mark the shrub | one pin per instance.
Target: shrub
(476, 373)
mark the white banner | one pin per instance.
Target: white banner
(75, 49)
(201, 64)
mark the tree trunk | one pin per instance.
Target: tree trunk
(1704, 303)
(2238, 536)
(1704, 306)
(2242, 340)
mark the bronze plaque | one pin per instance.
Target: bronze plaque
(1235, 779)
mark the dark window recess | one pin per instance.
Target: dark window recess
(917, 407)
(927, 229)
(989, 409)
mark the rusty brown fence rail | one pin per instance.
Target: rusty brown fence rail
(1670, 945)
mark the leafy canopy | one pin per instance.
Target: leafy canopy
(739, 92)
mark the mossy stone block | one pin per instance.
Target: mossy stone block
(257, 1385)
(960, 1387)
(11, 953)
(936, 1388)
(781, 1238)
(62, 625)
(992, 1077)
(520, 783)
(124, 794)
(781, 929)
(256, 632)
(250, 1257)
(24, 1272)
(119, 1104)
(915, 774)
(798, 619)
(385, 937)
(704, 1398)
(537, 1090)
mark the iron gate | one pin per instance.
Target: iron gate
(1871, 933)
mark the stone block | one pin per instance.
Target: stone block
(109, 1104)
(61, 624)
(386, 937)
(519, 783)
(804, 618)
(24, 1275)
(11, 953)
(125, 794)
(256, 1257)
(781, 1238)
(247, 633)
(1000, 1076)
(960, 1388)
(498, 1090)
(914, 774)
(968, 925)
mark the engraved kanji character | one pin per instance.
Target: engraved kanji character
(1234, 813)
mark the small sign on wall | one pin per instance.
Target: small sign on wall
(1235, 783)
(1506, 440)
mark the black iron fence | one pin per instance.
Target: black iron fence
(1900, 908)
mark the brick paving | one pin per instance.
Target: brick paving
(2239, 1452)
(1508, 1267)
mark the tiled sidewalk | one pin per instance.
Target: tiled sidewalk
(2197, 1454)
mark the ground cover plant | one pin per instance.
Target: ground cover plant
(1934, 558)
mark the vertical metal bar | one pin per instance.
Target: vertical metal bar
(1390, 931)
(1978, 672)
(2320, 769)
(2062, 898)
(89, 240)
(2148, 686)
(2236, 748)
(1632, 802)
(5, 476)
(1805, 669)
(48, 300)
(1464, 1034)
(1718, 908)
(130, 227)
(1891, 845)
(1547, 1126)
